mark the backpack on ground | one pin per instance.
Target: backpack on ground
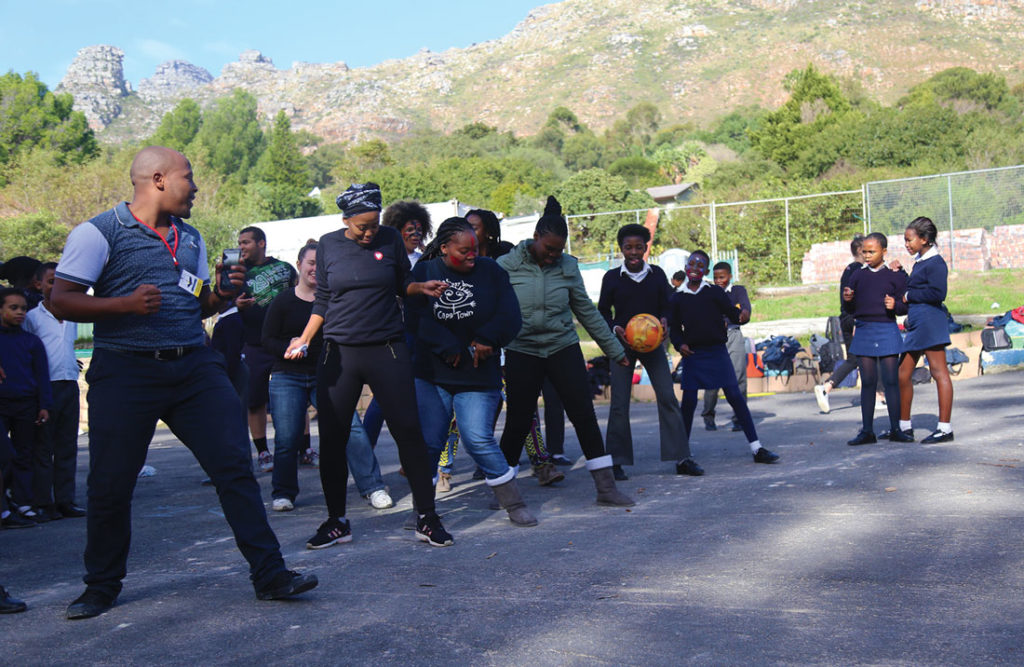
(777, 354)
(995, 338)
(921, 375)
(830, 356)
(834, 329)
(955, 360)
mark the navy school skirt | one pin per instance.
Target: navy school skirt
(876, 339)
(708, 368)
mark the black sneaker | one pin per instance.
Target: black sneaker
(689, 467)
(938, 436)
(709, 424)
(47, 514)
(287, 584)
(764, 456)
(16, 520)
(430, 530)
(330, 532)
(736, 426)
(9, 605)
(863, 438)
(90, 603)
(71, 511)
(619, 474)
(478, 473)
(561, 460)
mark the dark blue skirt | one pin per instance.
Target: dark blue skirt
(708, 368)
(927, 326)
(876, 339)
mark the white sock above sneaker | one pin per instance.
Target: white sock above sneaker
(905, 425)
(754, 446)
(945, 427)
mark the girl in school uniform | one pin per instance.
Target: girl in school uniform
(874, 296)
(927, 328)
(698, 332)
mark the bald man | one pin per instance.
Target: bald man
(151, 289)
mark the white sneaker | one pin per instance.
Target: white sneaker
(266, 462)
(380, 500)
(822, 398)
(282, 505)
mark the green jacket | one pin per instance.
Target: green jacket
(548, 297)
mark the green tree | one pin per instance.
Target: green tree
(31, 116)
(38, 235)
(815, 104)
(231, 136)
(322, 161)
(595, 191)
(283, 171)
(638, 172)
(583, 151)
(179, 126)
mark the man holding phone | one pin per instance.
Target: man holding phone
(265, 278)
(151, 289)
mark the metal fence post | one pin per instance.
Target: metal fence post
(949, 194)
(864, 206)
(714, 230)
(789, 258)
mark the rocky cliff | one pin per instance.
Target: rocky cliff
(695, 59)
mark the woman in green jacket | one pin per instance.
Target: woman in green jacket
(550, 290)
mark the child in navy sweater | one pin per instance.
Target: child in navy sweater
(927, 329)
(698, 332)
(24, 395)
(874, 296)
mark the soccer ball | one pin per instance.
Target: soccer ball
(644, 332)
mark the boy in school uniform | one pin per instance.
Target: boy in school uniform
(55, 454)
(734, 343)
(24, 395)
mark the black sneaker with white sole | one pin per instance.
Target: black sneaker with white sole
(286, 584)
(430, 530)
(332, 531)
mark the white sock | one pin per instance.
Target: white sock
(905, 425)
(754, 446)
(945, 427)
(6, 513)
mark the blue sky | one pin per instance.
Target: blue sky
(43, 36)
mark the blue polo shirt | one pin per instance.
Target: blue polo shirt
(113, 254)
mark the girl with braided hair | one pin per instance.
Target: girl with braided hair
(459, 335)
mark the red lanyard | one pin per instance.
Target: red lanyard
(173, 251)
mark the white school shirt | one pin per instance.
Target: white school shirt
(58, 339)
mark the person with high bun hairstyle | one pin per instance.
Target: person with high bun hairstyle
(360, 270)
(459, 337)
(927, 328)
(550, 290)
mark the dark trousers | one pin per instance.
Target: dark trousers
(18, 421)
(675, 443)
(387, 369)
(193, 396)
(554, 420)
(55, 455)
(524, 378)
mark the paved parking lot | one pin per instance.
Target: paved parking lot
(884, 554)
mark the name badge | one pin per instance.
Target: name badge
(190, 283)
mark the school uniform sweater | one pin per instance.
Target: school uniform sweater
(696, 318)
(627, 297)
(356, 287)
(740, 301)
(477, 306)
(23, 358)
(286, 318)
(869, 291)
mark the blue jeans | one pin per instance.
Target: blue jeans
(474, 411)
(291, 394)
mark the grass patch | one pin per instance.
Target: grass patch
(969, 294)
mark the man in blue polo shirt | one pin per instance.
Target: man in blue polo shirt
(150, 281)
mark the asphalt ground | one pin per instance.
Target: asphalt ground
(884, 554)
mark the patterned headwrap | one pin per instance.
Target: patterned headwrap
(359, 198)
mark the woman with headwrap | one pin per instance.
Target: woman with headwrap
(360, 271)
(550, 290)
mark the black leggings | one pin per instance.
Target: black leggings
(341, 373)
(870, 369)
(524, 378)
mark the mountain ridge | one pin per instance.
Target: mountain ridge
(694, 60)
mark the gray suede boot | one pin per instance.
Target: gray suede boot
(607, 493)
(508, 495)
